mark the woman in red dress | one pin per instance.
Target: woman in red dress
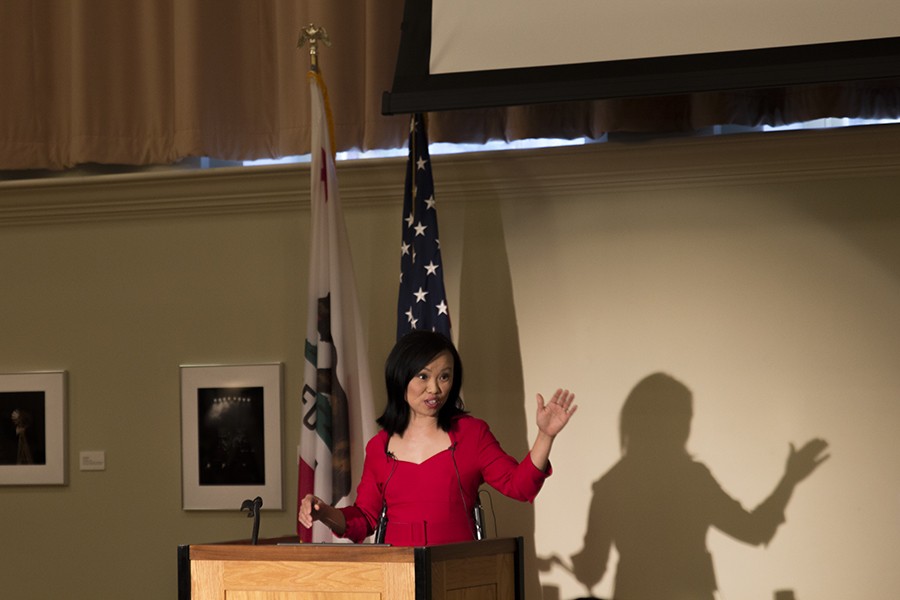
(423, 468)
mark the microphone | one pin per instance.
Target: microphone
(381, 528)
(479, 522)
(253, 506)
(478, 511)
(382, 524)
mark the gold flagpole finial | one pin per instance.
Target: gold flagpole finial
(313, 34)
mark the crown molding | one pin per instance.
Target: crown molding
(740, 159)
(557, 173)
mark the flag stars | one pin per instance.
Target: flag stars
(420, 263)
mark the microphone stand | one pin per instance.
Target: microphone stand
(253, 506)
(382, 525)
(479, 522)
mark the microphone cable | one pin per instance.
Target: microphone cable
(491, 504)
(477, 520)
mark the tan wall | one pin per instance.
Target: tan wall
(763, 272)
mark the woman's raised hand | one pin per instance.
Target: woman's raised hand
(553, 416)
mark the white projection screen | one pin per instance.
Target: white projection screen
(475, 53)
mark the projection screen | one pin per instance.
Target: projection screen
(475, 53)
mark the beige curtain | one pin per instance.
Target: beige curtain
(155, 81)
(142, 82)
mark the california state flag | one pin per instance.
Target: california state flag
(337, 406)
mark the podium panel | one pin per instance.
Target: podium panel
(472, 571)
(485, 570)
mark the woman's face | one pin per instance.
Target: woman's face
(427, 391)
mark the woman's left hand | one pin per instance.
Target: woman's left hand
(553, 416)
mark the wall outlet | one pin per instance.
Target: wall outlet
(92, 460)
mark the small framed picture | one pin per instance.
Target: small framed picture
(230, 436)
(33, 428)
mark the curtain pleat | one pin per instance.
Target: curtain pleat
(156, 81)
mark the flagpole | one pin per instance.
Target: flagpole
(336, 401)
(313, 34)
(411, 165)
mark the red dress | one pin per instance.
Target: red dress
(432, 502)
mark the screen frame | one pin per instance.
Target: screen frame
(415, 89)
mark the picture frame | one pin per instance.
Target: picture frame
(33, 428)
(231, 435)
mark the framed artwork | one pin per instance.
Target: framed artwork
(33, 428)
(230, 436)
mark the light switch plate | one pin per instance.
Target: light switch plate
(93, 460)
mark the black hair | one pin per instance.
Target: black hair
(409, 356)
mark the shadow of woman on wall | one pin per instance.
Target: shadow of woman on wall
(657, 503)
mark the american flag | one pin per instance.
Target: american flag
(422, 302)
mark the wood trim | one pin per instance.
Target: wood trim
(184, 572)
(557, 173)
(303, 552)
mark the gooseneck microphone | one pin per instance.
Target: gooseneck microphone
(381, 528)
(382, 525)
(479, 522)
(478, 511)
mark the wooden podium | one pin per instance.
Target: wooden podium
(274, 570)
